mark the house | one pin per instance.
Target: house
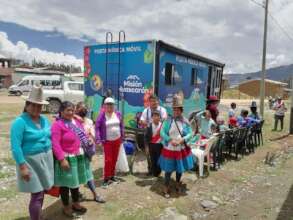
(6, 72)
(272, 88)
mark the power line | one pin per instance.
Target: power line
(257, 3)
(281, 27)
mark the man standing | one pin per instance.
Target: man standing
(280, 110)
(146, 117)
(146, 120)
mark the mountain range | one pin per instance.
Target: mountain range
(280, 73)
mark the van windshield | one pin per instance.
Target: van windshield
(23, 83)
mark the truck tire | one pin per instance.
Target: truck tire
(54, 106)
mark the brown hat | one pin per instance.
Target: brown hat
(36, 96)
(177, 101)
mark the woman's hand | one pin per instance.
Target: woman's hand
(24, 172)
(174, 143)
(64, 164)
(181, 141)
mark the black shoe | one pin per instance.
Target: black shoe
(115, 180)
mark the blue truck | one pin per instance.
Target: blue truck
(135, 70)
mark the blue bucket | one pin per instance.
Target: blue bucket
(129, 147)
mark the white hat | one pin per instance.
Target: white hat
(36, 96)
(109, 100)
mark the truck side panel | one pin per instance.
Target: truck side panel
(134, 83)
(178, 70)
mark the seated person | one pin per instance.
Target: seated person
(232, 123)
(254, 114)
(221, 124)
(205, 124)
(245, 121)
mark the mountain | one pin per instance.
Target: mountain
(280, 73)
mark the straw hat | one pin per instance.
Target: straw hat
(36, 96)
(177, 101)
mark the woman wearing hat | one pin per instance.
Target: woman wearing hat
(176, 155)
(253, 108)
(212, 106)
(109, 133)
(31, 149)
(71, 167)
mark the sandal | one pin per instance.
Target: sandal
(99, 199)
(166, 192)
(69, 215)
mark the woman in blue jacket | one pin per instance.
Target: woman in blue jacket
(31, 149)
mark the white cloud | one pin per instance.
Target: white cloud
(20, 50)
(230, 31)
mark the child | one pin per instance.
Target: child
(153, 140)
(232, 110)
(221, 124)
(205, 123)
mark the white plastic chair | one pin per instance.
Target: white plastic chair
(202, 154)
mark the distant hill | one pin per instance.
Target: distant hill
(280, 73)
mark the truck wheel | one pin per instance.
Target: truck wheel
(54, 106)
(18, 93)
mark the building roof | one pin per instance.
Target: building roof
(39, 71)
(266, 80)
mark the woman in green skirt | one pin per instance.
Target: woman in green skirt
(71, 167)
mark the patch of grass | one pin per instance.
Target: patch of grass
(234, 93)
(9, 161)
(8, 193)
(13, 216)
(3, 175)
(239, 179)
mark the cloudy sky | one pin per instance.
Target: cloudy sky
(229, 31)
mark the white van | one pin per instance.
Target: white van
(25, 85)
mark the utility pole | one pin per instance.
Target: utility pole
(263, 75)
(291, 112)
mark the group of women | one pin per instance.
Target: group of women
(59, 155)
(53, 156)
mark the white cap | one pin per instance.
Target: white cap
(109, 100)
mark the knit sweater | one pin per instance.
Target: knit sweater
(27, 139)
(64, 140)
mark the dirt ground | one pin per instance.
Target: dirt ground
(244, 189)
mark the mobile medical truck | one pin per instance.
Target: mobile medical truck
(134, 70)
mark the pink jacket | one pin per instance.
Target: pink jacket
(64, 140)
